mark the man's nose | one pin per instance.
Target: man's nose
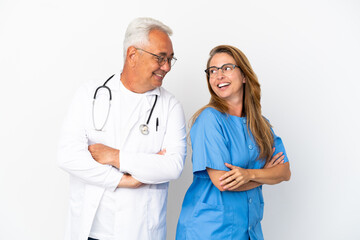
(166, 67)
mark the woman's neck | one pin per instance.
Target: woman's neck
(236, 108)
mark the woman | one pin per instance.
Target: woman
(235, 151)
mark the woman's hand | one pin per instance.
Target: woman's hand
(238, 176)
(275, 160)
(234, 178)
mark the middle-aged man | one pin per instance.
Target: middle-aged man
(121, 156)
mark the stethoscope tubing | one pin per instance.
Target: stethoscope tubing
(93, 105)
(144, 129)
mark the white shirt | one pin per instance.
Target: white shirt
(105, 221)
(139, 213)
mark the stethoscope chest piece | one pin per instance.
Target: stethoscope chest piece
(144, 129)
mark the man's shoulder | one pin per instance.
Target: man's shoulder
(90, 85)
(166, 95)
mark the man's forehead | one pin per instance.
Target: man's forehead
(160, 43)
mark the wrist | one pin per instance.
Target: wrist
(116, 159)
(252, 174)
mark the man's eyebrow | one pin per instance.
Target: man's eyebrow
(164, 54)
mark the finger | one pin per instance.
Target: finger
(90, 147)
(229, 165)
(274, 158)
(224, 176)
(162, 152)
(229, 179)
(279, 160)
(278, 155)
(231, 184)
(227, 175)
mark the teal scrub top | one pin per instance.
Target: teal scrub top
(207, 213)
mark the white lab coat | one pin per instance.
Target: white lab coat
(143, 213)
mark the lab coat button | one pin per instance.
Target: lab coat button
(249, 229)
(250, 200)
(250, 147)
(244, 120)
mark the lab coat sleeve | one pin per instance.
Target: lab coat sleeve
(154, 168)
(73, 154)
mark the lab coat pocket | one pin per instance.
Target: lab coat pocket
(152, 142)
(159, 138)
(156, 212)
(210, 222)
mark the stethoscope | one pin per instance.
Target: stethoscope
(144, 128)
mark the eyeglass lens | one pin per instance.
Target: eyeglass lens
(226, 69)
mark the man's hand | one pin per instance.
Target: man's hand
(105, 155)
(127, 181)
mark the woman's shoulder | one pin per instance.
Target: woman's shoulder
(210, 112)
(209, 117)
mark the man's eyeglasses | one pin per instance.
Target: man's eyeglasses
(161, 59)
(227, 69)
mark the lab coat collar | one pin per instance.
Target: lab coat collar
(114, 85)
(137, 113)
(155, 91)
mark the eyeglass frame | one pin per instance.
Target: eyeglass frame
(164, 59)
(218, 68)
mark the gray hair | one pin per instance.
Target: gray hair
(137, 33)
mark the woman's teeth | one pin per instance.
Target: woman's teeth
(223, 85)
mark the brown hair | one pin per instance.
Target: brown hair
(256, 124)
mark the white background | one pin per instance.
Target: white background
(305, 53)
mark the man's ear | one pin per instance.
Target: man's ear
(131, 55)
